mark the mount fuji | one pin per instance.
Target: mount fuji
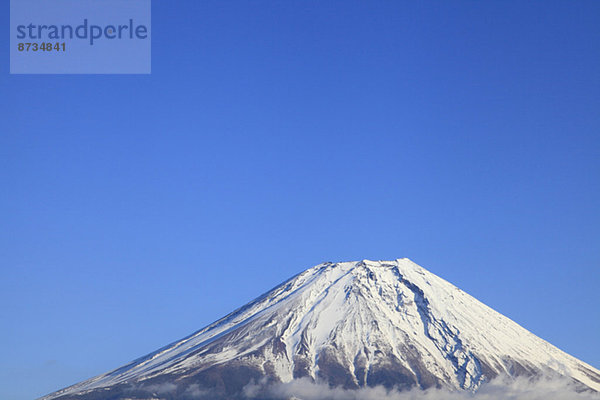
(350, 325)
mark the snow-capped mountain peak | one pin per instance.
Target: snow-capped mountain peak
(352, 324)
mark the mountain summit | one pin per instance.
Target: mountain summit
(352, 324)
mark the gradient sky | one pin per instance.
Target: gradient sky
(272, 136)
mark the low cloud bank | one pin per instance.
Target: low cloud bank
(304, 389)
(498, 389)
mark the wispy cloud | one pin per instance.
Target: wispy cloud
(194, 391)
(163, 388)
(498, 389)
(305, 389)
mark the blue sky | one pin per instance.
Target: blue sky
(272, 136)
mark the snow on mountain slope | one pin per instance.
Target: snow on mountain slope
(352, 324)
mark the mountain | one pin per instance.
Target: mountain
(352, 324)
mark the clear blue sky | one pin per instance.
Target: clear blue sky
(272, 136)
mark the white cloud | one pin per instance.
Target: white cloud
(196, 392)
(305, 389)
(499, 389)
(163, 388)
